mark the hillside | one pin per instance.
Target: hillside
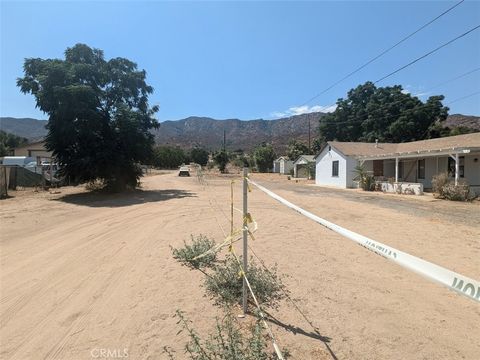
(459, 120)
(208, 132)
(29, 128)
(202, 131)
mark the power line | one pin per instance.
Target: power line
(433, 87)
(453, 79)
(464, 97)
(392, 116)
(383, 52)
(427, 54)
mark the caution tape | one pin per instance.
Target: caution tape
(461, 284)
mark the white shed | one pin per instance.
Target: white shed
(302, 166)
(282, 165)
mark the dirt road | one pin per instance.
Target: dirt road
(84, 273)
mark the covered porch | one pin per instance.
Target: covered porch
(414, 171)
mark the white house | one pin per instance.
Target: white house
(282, 165)
(412, 164)
(301, 166)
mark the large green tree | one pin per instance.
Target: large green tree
(221, 158)
(99, 117)
(8, 142)
(388, 114)
(199, 155)
(264, 156)
(296, 148)
(168, 157)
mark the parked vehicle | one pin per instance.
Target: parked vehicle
(18, 160)
(184, 171)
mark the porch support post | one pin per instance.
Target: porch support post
(396, 169)
(457, 168)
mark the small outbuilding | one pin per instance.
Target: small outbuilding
(282, 165)
(303, 167)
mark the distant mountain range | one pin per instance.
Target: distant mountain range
(207, 132)
(202, 131)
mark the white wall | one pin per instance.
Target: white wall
(472, 170)
(323, 168)
(276, 166)
(351, 164)
(286, 166)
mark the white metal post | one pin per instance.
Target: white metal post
(245, 238)
(457, 168)
(396, 169)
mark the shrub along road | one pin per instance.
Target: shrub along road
(84, 273)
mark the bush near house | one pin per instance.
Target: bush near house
(443, 188)
(365, 180)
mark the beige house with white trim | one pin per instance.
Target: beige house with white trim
(35, 149)
(413, 163)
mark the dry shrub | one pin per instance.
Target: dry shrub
(460, 192)
(443, 188)
(225, 284)
(227, 342)
(95, 185)
(199, 245)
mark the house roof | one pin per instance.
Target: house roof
(363, 150)
(36, 145)
(308, 158)
(282, 158)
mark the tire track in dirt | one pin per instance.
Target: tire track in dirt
(129, 221)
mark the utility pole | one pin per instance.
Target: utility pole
(309, 142)
(224, 141)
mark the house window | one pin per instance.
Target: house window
(421, 169)
(335, 168)
(451, 166)
(377, 167)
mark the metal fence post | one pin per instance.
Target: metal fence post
(245, 237)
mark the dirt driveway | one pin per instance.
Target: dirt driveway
(81, 273)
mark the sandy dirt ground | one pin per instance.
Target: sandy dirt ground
(82, 272)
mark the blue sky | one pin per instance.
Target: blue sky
(251, 59)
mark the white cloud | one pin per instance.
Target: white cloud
(421, 94)
(305, 109)
(415, 91)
